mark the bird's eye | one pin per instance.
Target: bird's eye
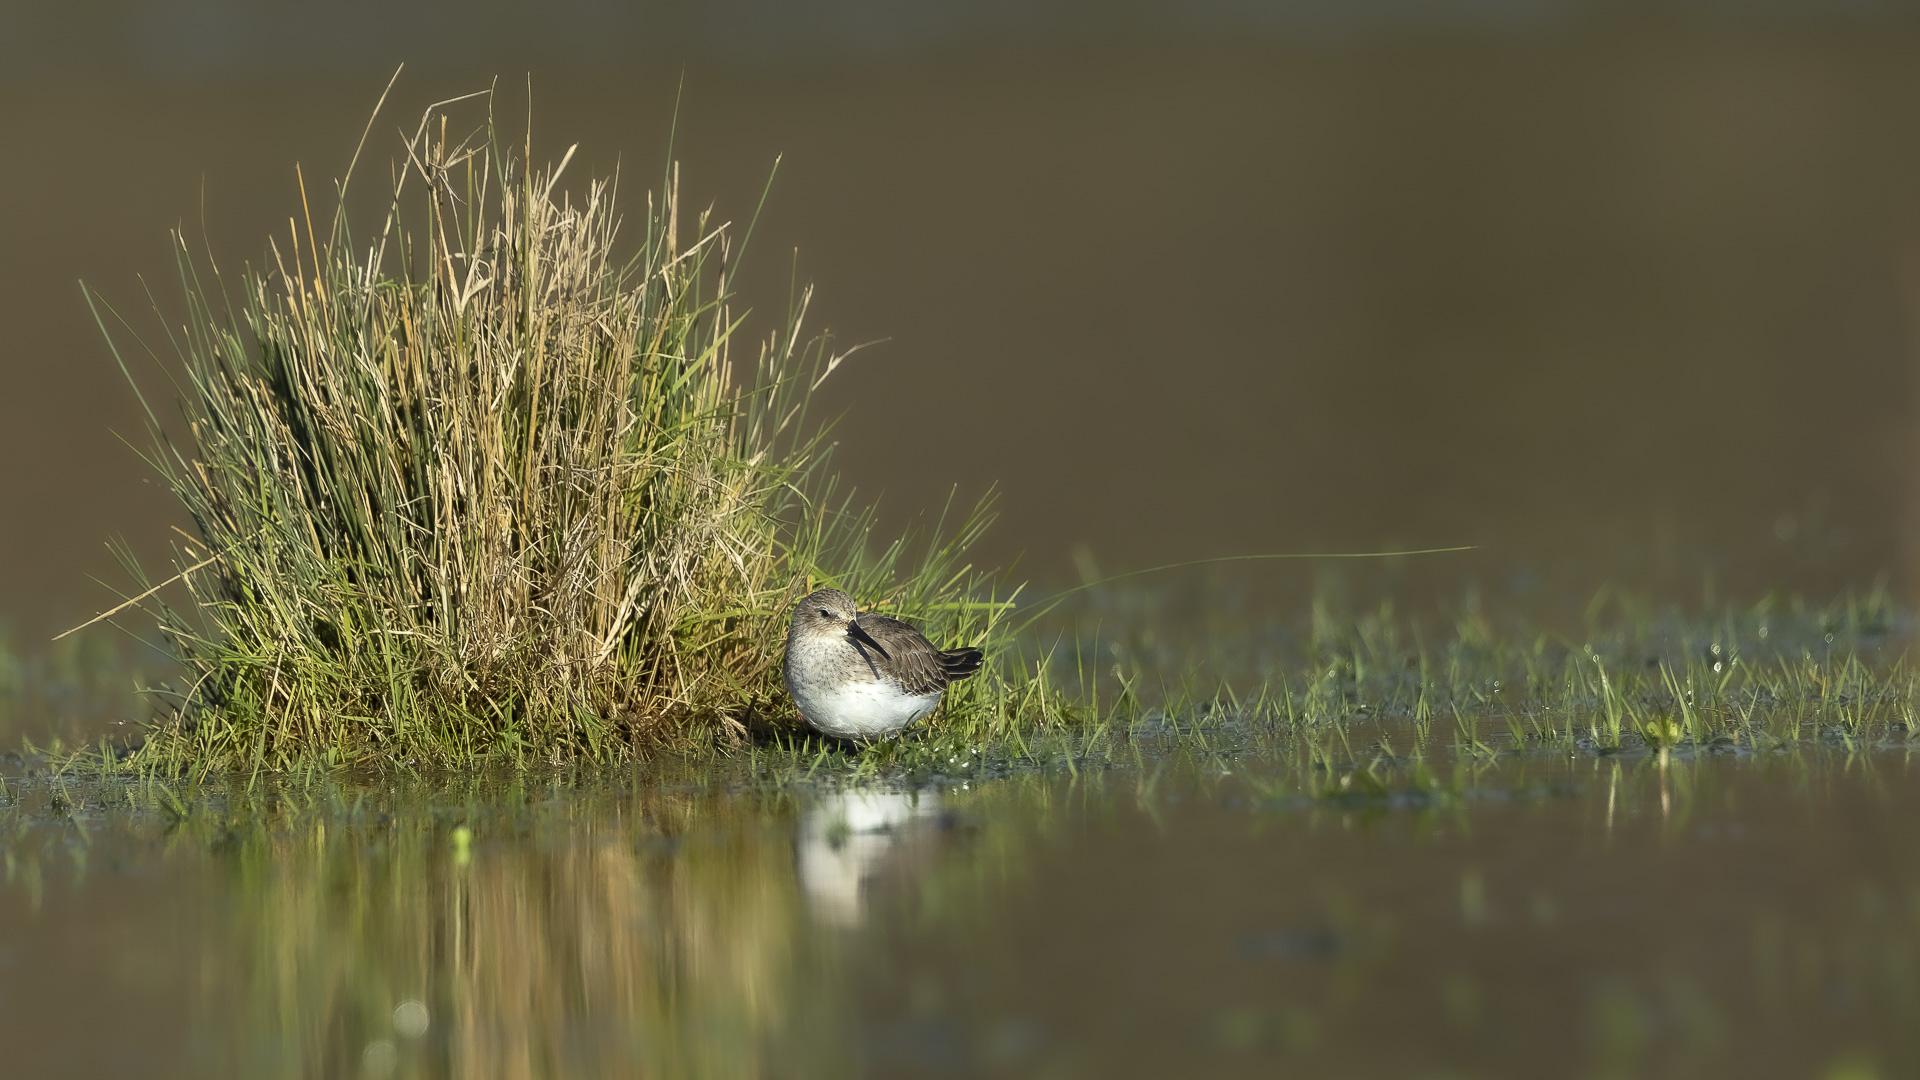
(825, 614)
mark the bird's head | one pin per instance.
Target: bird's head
(831, 613)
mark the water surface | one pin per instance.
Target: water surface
(1734, 915)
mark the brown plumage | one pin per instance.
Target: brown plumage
(911, 660)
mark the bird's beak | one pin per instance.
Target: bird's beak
(856, 633)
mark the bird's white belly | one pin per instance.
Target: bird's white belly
(862, 709)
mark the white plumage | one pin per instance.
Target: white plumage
(859, 708)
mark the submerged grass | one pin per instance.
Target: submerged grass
(484, 483)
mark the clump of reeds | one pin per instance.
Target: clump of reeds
(492, 482)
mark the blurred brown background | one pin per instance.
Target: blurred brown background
(1625, 293)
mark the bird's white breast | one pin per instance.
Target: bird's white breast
(855, 705)
(862, 708)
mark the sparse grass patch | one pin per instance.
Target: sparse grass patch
(1637, 678)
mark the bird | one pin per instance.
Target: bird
(860, 675)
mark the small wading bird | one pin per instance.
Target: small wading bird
(862, 676)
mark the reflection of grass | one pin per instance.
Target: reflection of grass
(599, 922)
(480, 483)
(648, 934)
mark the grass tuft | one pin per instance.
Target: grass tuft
(488, 482)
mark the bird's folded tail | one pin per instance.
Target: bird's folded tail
(960, 663)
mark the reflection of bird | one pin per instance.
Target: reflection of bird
(860, 675)
(846, 840)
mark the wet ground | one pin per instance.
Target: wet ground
(1154, 914)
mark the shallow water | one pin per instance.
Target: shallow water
(1548, 915)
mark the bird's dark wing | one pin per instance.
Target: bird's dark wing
(961, 663)
(912, 661)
